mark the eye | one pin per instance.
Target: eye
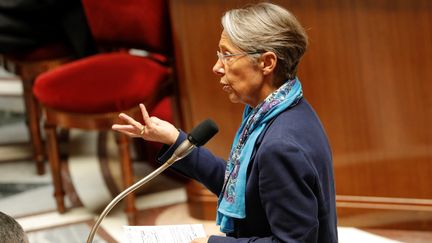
(225, 52)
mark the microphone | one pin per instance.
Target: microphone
(198, 136)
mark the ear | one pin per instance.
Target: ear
(268, 62)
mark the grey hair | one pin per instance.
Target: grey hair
(268, 27)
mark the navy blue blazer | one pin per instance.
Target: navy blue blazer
(290, 195)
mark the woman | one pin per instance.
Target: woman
(277, 185)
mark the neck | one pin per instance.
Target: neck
(267, 88)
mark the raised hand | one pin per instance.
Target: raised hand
(153, 129)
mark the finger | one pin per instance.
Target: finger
(126, 131)
(126, 118)
(119, 127)
(127, 128)
(130, 134)
(131, 121)
(146, 116)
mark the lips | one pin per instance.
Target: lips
(226, 87)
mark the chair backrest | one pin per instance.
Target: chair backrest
(142, 24)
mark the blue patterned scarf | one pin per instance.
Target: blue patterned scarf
(231, 203)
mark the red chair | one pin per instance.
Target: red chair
(28, 64)
(89, 93)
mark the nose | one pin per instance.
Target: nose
(218, 68)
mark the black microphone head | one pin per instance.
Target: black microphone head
(202, 133)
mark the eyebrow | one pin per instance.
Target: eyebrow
(226, 48)
(222, 46)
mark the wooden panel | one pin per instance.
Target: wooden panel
(367, 72)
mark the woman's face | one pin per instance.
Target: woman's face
(240, 75)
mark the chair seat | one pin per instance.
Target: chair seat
(91, 85)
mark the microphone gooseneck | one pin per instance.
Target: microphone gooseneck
(198, 136)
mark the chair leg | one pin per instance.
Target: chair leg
(33, 118)
(54, 161)
(127, 174)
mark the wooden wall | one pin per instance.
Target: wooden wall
(368, 74)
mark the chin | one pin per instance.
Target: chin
(234, 99)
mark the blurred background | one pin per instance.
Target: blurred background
(69, 67)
